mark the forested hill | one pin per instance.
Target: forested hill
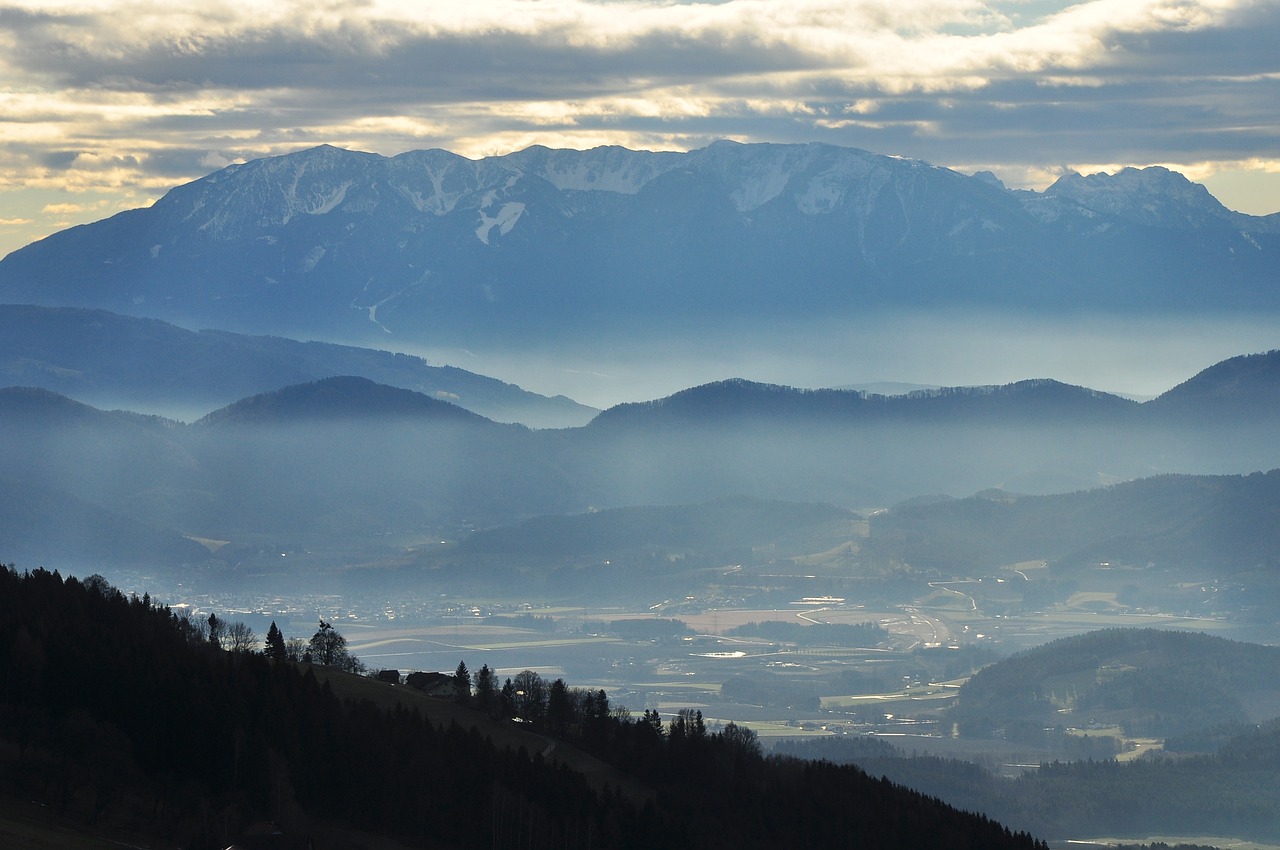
(1150, 682)
(118, 716)
(1225, 522)
(728, 523)
(1230, 792)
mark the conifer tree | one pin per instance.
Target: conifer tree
(486, 689)
(217, 630)
(275, 649)
(462, 682)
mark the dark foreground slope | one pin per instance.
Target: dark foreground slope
(1215, 699)
(1229, 793)
(115, 714)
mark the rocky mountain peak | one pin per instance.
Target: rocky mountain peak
(1154, 196)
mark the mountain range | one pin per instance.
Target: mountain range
(238, 455)
(347, 458)
(110, 360)
(540, 247)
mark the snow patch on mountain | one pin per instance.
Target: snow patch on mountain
(318, 198)
(757, 179)
(313, 258)
(506, 219)
(828, 188)
(438, 202)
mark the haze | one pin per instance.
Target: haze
(1136, 356)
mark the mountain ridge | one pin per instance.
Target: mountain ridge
(342, 397)
(109, 359)
(347, 456)
(541, 246)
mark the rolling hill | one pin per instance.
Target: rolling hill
(345, 456)
(111, 360)
(1148, 681)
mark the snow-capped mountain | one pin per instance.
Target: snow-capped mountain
(1154, 196)
(431, 247)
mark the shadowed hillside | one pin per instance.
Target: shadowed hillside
(165, 737)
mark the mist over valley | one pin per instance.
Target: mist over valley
(795, 451)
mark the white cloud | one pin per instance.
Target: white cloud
(133, 97)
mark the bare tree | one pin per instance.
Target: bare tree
(740, 739)
(329, 648)
(295, 649)
(193, 628)
(240, 638)
(531, 696)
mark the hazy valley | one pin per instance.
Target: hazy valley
(1030, 598)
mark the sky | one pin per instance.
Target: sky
(106, 104)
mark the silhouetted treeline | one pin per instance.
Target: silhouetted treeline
(717, 788)
(660, 629)
(116, 710)
(1230, 793)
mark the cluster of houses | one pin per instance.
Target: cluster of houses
(432, 684)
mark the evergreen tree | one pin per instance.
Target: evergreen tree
(559, 707)
(652, 724)
(275, 649)
(217, 631)
(507, 700)
(462, 682)
(486, 695)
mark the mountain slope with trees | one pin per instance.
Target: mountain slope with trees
(1148, 681)
(1224, 524)
(125, 715)
(1229, 793)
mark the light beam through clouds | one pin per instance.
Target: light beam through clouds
(105, 104)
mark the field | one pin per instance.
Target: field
(936, 634)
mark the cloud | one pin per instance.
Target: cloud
(68, 209)
(141, 95)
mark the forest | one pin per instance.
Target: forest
(123, 717)
(1231, 791)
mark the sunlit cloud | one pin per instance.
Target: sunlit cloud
(68, 209)
(131, 98)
